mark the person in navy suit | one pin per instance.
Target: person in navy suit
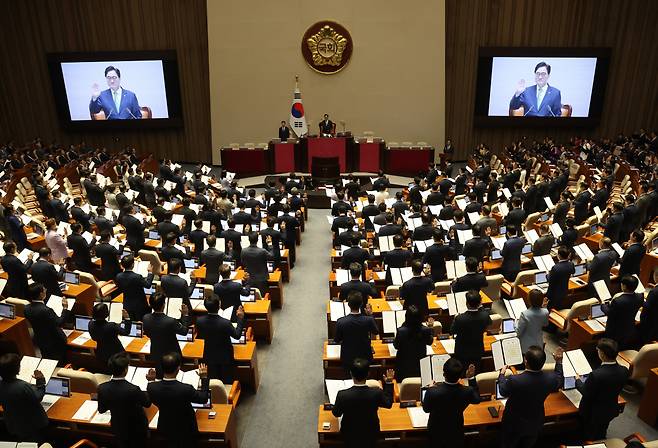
(116, 102)
(539, 100)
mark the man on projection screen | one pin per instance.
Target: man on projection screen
(540, 100)
(116, 102)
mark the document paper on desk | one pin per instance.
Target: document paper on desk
(448, 345)
(335, 386)
(392, 321)
(419, 418)
(431, 369)
(456, 303)
(595, 325)
(102, 419)
(506, 352)
(342, 276)
(338, 310)
(400, 275)
(575, 362)
(86, 411)
(515, 307)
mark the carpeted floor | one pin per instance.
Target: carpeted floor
(284, 411)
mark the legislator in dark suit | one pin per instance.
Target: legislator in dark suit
(599, 269)
(599, 199)
(411, 345)
(46, 273)
(581, 206)
(229, 293)
(216, 333)
(175, 286)
(366, 289)
(560, 213)
(81, 252)
(613, 226)
(23, 415)
(104, 225)
(353, 334)
(80, 216)
(397, 258)
(511, 253)
(621, 311)
(95, 194)
(523, 418)
(277, 237)
(109, 256)
(16, 276)
(212, 258)
(134, 232)
(543, 245)
(106, 334)
(128, 105)
(254, 260)
(162, 331)
(126, 403)
(48, 334)
(436, 256)
(649, 317)
(476, 247)
(170, 252)
(599, 404)
(354, 254)
(631, 260)
(468, 329)
(326, 126)
(132, 286)
(515, 217)
(284, 133)
(471, 281)
(358, 406)
(414, 292)
(446, 403)
(177, 420)
(558, 285)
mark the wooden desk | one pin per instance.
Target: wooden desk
(647, 267)
(648, 410)
(396, 425)
(592, 241)
(220, 431)
(274, 283)
(16, 330)
(246, 361)
(84, 297)
(581, 334)
(576, 291)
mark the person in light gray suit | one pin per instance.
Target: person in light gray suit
(254, 260)
(530, 323)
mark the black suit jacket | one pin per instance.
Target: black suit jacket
(599, 268)
(366, 289)
(95, 194)
(353, 334)
(472, 280)
(175, 286)
(526, 392)
(166, 227)
(436, 256)
(16, 276)
(354, 254)
(358, 406)
(134, 232)
(254, 260)
(468, 329)
(411, 345)
(104, 224)
(23, 415)
(560, 213)
(397, 258)
(649, 317)
(621, 313)
(81, 252)
(599, 403)
(543, 245)
(630, 262)
(284, 133)
(177, 420)
(229, 293)
(45, 273)
(213, 259)
(162, 331)
(558, 285)
(446, 403)
(515, 217)
(511, 253)
(48, 334)
(414, 292)
(132, 286)
(613, 226)
(106, 336)
(126, 402)
(80, 216)
(109, 256)
(476, 247)
(197, 237)
(216, 333)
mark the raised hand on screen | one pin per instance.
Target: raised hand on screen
(520, 87)
(95, 90)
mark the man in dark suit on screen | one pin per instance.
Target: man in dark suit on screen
(539, 100)
(116, 102)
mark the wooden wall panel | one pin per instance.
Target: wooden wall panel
(31, 29)
(628, 27)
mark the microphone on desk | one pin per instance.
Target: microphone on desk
(131, 114)
(550, 110)
(528, 111)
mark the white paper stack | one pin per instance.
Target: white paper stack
(455, 269)
(342, 276)
(431, 369)
(400, 275)
(335, 386)
(456, 303)
(574, 363)
(392, 320)
(55, 304)
(515, 307)
(338, 310)
(584, 252)
(544, 262)
(556, 230)
(173, 306)
(86, 411)
(506, 352)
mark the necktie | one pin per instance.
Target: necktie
(540, 96)
(117, 100)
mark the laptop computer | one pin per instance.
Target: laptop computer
(541, 279)
(58, 386)
(580, 269)
(593, 229)
(72, 278)
(7, 311)
(270, 266)
(206, 405)
(496, 255)
(197, 293)
(82, 323)
(189, 337)
(154, 235)
(136, 329)
(527, 249)
(191, 263)
(502, 230)
(508, 326)
(596, 311)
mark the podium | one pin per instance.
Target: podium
(284, 156)
(370, 155)
(327, 147)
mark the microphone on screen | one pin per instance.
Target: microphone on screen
(109, 115)
(550, 110)
(528, 111)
